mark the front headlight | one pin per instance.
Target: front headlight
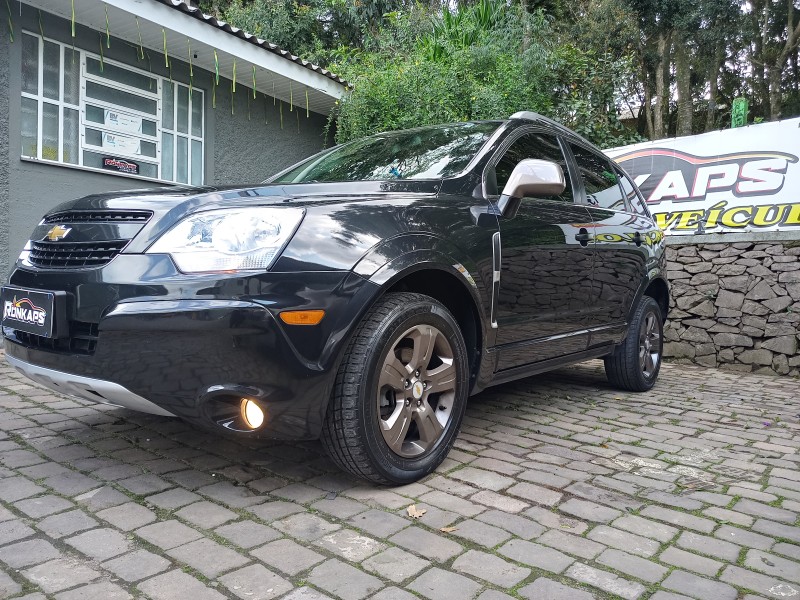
(240, 239)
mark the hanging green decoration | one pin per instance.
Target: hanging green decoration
(141, 47)
(216, 67)
(274, 99)
(266, 112)
(169, 65)
(166, 55)
(41, 29)
(102, 58)
(213, 92)
(233, 105)
(10, 23)
(291, 97)
(108, 30)
(298, 121)
(307, 115)
(254, 82)
(72, 24)
(248, 105)
(233, 84)
(281, 111)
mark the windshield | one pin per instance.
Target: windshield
(423, 153)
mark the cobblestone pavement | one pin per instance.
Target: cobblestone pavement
(559, 487)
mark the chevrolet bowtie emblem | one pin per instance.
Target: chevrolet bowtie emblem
(58, 233)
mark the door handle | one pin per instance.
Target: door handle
(583, 236)
(637, 238)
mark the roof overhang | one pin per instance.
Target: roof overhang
(278, 73)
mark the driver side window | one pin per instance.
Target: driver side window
(530, 145)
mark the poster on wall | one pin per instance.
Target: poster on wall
(745, 179)
(121, 143)
(120, 165)
(122, 122)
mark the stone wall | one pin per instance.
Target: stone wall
(735, 305)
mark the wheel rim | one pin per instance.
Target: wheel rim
(650, 344)
(416, 391)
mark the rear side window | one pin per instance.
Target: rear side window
(634, 199)
(531, 145)
(600, 179)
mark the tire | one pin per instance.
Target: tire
(635, 364)
(382, 419)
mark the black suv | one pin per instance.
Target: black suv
(359, 297)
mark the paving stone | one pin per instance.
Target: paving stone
(437, 584)
(499, 501)
(17, 488)
(41, 506)
(536, 555)
(490, 568)
(743, 537)
(480, 533)
(298, 492)
(395, 565)
(208, 557)
(709, 545)
(758, 560)
(127, 516)
(519, 526)
(790, 550)
(71, 483)
(589, 510)
(145, 484)
(305, 526)
(306, 593)
(766, 585)
(60, 574)
(766, 511)
(452, 503)
(9, 587)
(624, 540)
(66, 523)
(288, 556)
(247, 534)
(393, 593)
(344, 581)
(168, 534)
(555, 520)
(535, 493)
(104, 590)
(427, 544)
(11, 531)
(137, 565)
(480, 478)
(728, 516)
(547, 589)
(634, 566)
(177, 585)
(606, 581)
(691, 562)
(100, 498)
(646, 527)
(571, 544)
(206, 515)
(350, 545)
(100, 544)
(777, 530)
(255, 582)
(699, 587)
(27, 553)
(340, 507)
(379, 523)
(678, 519)
(172, 499)
(232, 495)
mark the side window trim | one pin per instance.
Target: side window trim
(518, 134)
(612, 164)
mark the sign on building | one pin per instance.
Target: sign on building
(745, 179)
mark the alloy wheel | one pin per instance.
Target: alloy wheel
(649, 344)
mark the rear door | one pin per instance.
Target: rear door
(546, 271)
(621, 237)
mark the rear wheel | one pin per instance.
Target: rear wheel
(400, 393)
(635, 364)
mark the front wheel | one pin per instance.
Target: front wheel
(400, 393)
(634, 365)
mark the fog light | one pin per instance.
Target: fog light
(252, 414)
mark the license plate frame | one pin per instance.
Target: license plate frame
(38, 312)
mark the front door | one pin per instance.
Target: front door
(547, 260)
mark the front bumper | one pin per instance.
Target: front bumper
(172, 349)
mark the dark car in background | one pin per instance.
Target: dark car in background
(359, 297)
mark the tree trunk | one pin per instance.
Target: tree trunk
(713, 89)
(775, 96)
(683, 81)
(662, 86)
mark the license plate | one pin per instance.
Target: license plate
(32, 311)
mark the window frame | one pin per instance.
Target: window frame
(83, 123)
(628, 209)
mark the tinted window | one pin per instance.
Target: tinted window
(530, 145)
(599, 179)
(634, 200)
(423, 153)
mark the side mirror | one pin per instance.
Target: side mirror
(532, 177)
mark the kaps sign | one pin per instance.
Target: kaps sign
(743, 179)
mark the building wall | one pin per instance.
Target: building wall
(735, 305)
(241, 146)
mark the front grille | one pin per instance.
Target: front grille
(70, 255)
(82, 339)
(100, 216)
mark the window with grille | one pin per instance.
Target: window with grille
(80, 109)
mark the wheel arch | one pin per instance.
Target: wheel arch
(658, 290)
